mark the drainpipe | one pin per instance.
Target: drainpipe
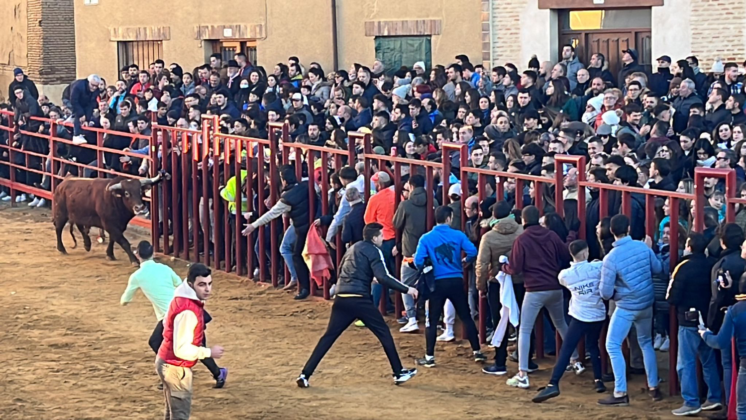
(335, 48)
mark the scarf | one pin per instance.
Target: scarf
(496, 221)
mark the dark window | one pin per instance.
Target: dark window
(397, 51)
(141, 53)
(228, 49)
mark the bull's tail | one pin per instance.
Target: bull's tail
(72, 234)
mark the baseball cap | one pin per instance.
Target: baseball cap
(17, 71)
(297, 97)
(632, 52)
(665, 58)
(455, 189)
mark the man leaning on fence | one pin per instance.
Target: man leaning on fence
(293, 201)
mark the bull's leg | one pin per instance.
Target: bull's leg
(86, 239)
(110, 250)
(59, 227)
(125, 244)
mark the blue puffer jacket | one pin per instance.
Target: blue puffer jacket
(627, 275)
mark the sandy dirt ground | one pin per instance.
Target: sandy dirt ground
(72, 352)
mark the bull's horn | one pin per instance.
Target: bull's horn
(117, 186)
(149, 181)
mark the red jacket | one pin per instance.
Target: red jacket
(182, 302)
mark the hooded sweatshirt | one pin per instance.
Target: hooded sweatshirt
(411, 219)
(538, 244)
(498, 241)
(183, 329)
(443, 246)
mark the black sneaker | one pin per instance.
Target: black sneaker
(302, 381)
(607, 377)
(479, 357)
(655, 394)
(220, 381)
(612, 401)
(426, 362)
(303, 294)
(402, 321)
(404, 376)
(548, 392)
(495, 370)
(532, 366)
(599, 387)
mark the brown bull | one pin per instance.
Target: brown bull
(108, 204)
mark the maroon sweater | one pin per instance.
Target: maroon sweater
(539, 254)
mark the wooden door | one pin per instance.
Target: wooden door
(611, 45)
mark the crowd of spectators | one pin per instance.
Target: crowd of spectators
(635, 128)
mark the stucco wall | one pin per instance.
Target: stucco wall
(13, 33)
(461, 27)
(301, 28)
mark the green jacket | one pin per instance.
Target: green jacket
(229, 194)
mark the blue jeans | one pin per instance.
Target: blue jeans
(286, 250)
(741, 396)
(619, 326)
(726, 358)
(692, 346)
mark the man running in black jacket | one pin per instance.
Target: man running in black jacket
(363, 261)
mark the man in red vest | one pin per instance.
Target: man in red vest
(183, 331)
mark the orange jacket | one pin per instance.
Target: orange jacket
(381, 209)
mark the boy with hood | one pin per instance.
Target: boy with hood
(498, 241)
(183, 332)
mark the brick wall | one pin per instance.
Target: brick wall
(58, 42)
(506, 33)
(718, 31)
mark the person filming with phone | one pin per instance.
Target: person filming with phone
(689, 291)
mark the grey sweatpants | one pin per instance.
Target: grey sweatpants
(533, 302)
(409, 277)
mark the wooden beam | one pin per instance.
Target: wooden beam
(597, 4)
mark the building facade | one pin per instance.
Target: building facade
(334, 33)
(39, 37)
(708, 29)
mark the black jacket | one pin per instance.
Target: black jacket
(26, 84)
(628, 69)
(604, 74)
(359, 265)
(717, 116)
(730, 261)
(690, 287)
(354, 222)
(667, 184)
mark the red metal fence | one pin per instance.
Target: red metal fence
(189, 219)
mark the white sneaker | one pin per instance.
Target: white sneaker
(411, 326)
(518, 382)
(6, 198)
(79, 140)
(578, 368)
(666, 344)
(42, 203)
(3, 194)
(447, 336)
(658, 341)
(20, 198)
(34, 203)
